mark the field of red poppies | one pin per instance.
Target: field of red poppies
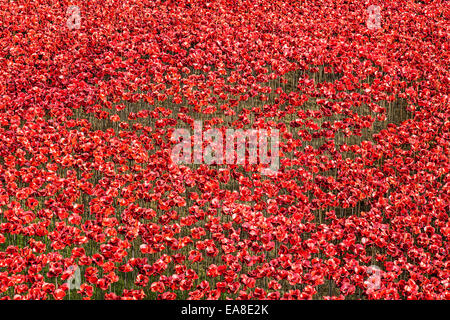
(92, 206)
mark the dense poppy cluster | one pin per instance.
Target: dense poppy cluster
(86, 117)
